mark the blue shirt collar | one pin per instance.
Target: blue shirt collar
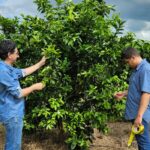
(141, 63)
(6, 65)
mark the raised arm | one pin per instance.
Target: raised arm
(31, 69)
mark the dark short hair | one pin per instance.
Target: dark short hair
(6, 46)
(127, 53)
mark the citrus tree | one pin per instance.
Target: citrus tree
(82, 43)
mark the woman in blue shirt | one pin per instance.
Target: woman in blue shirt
(12, 95)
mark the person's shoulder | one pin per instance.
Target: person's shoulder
(3, 68)
(146, 66)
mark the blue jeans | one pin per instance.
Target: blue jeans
(13, 128)
(143, 140)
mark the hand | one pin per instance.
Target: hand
(138, 121)
(119, 95)
(42, 61)
(38, 86)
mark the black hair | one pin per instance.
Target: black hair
(6, 46)
(127, 53)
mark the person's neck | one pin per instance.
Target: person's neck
(8, 62)
(139, 60)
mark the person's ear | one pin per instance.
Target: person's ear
(9, 55)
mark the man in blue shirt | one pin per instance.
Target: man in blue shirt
(11, 94)
(138, 95)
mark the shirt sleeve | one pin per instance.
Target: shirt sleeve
(145, 81)
(12, 86)
(20, 73)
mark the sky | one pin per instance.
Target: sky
(136, 13)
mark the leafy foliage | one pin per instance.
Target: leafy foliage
(83, 70)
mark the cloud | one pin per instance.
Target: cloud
(135, 25)
(139, 27)
(142, 1)
(10, 8)
(135, 9)
(136, 13)
(145, 32)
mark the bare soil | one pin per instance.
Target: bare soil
(116, 139)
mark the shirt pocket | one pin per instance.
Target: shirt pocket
(132, 79)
